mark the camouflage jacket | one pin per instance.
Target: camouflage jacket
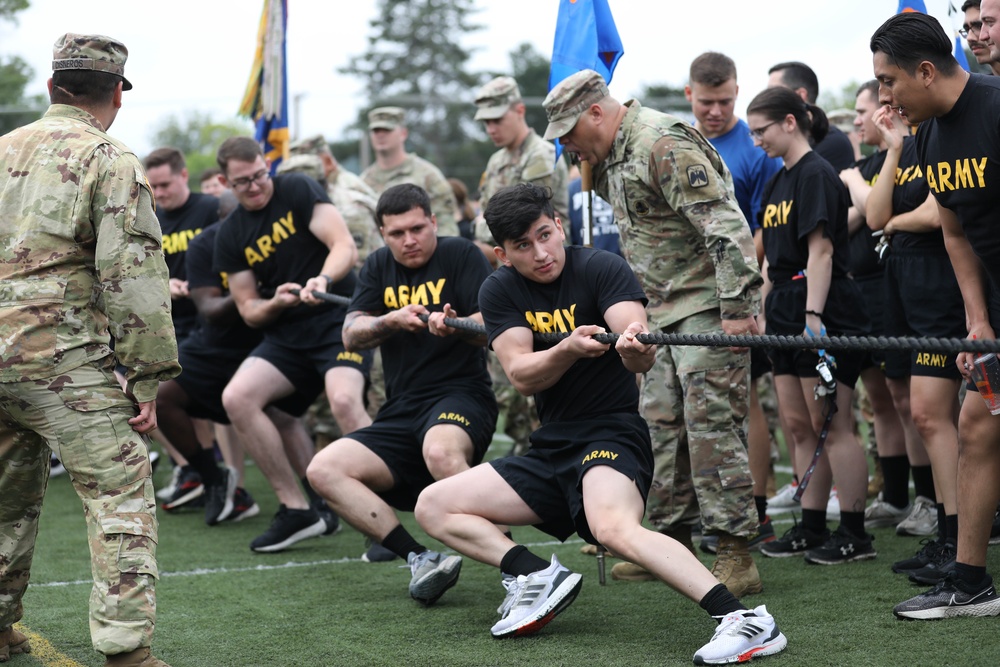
(356, 202)
(419, 171)
(534, 161)
(81, 260)
(681, 228)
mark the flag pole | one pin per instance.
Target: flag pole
(587, 201)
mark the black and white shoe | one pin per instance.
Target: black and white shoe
(219, 497)
(795, 542)
(941, 564)
(329, 517)
(288, 527)
(842, 547)
(244, 506)
(950, 599)
(187, 492)
(926, 554)
(535, 599)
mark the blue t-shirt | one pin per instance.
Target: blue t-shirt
(751, 168)
(604, 234)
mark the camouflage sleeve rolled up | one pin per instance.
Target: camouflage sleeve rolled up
(696, 183)
(132, 274)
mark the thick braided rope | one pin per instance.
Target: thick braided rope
(852, 343)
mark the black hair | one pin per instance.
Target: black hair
(512, 210)
(912, 38)
(402, 198)
(78, 86)
(970, 3)
(776, 103)
(797, 75)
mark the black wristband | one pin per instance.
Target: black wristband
(329, 280)
(813, 312)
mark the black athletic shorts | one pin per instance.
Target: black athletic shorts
(398, 432)
(924, 300)
(549, 476)
(760, 365)
(873, 291)
(306, 369)
(206, 373)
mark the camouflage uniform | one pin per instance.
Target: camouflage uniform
(81, 258)
(688, 243)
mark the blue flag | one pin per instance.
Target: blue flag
(960, 54)
(911, 6)
(266, 98)
(586, 38)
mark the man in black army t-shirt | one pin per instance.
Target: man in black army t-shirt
(958, 143)
(287, 239)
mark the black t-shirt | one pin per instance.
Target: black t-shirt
(276, 244)
(960, 156)
(864, 260)
(836, 149)
(419, 362)
(591, 282)
(795, 202)
(178, 227)
(235, 339)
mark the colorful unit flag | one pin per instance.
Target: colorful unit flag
(266, 98)
(586, 38)
(912, 6)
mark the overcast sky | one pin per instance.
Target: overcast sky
(195, 55)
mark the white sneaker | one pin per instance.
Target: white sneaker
(534, 600)
(881, 514)
(742, 636)
(433, 574)
(922, 520)
(783, 501)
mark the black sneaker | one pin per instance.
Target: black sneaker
(244, 506)
(795, 542)
(942, 563)
(287, 528)
(189, 489)
(329, 517)
(928, 549)
(376, 553)
(219, 497)
(950, 599)
(842, 547)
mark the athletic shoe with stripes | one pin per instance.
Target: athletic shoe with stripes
(950, 599)
(433, 574)
(535, 599)
(188, 492)
(742, 636)
(288, 527)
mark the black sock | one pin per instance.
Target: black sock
(814, 520)
(520, 561)
(204, 463)
(719, 602)
(973, 576)
(923, 481)
(401, 543)
(314, 498)
(951, 529)
(761, 503)
(942, 524)
(853, 522)
(896, 472)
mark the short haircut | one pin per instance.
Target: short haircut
(912, 38)
(797, 75)
(777, 103)
(512, 210)
(400, 199)
(211, 172)
(969, 4)
(165, 156)
(243, 149)
(871, 86)
(712, 69)
(79, 86)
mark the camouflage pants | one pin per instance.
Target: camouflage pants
(696, 402)
(83, 417)
(517, 410)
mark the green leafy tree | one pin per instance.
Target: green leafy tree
(15, 108)
(531, 69)
(198, 137)
(664, 97)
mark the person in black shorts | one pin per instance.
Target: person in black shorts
(957, 115)
(885, 374)
(805, 234)
(590, 465)
(285, 241)
(440, 411)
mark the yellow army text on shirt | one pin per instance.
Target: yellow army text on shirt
(534, 161)
(414, 169)
(81, 256)
(681, 229)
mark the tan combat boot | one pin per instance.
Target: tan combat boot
(631, 572)
(735, 568)
(141, 657)
(12, 642)
(591, 550)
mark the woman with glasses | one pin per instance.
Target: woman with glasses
(807, 291)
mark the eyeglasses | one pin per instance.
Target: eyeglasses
(974, 28)
(244, 183)
(758, 134)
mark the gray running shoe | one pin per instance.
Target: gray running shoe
(433, 574)
(922, 521)
(948, 600)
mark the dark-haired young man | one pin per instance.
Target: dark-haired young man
(591, 463)
(958, 144)
(440, 412)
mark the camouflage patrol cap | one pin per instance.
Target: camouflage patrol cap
(495, 98)
(570, 98)
(93, 52)
(310, 165)
(385, 118)
(314, 145)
